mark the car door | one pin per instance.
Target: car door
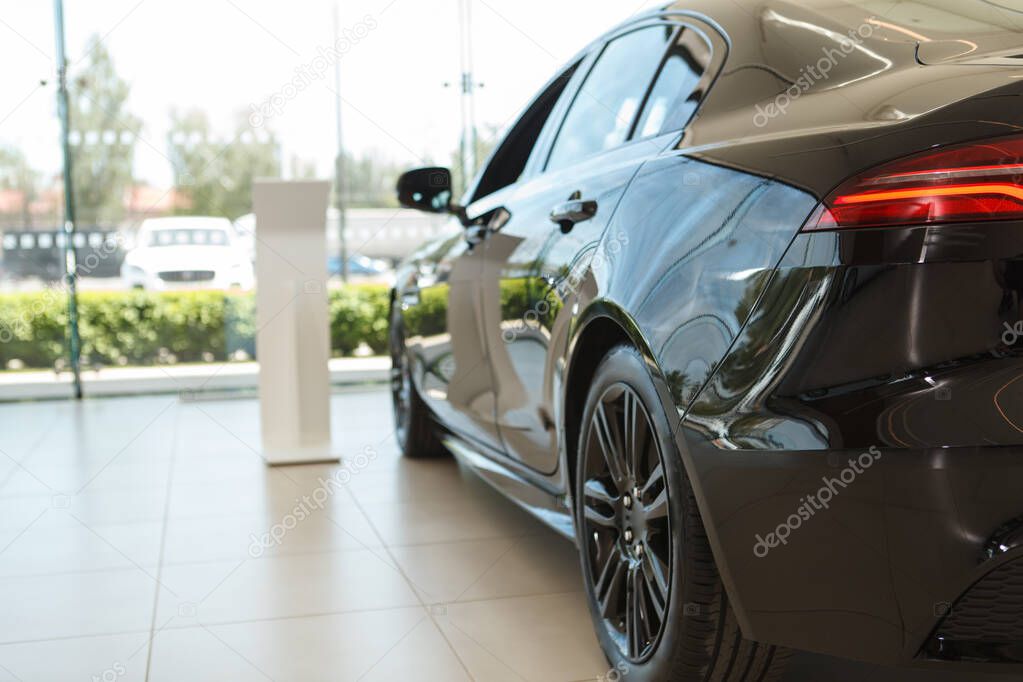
(438, 297)
(442, 293)
(626, 110)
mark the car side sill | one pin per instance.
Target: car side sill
(551, 509)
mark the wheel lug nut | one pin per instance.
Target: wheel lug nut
(639, 549)
(628, 535)
(627, 501)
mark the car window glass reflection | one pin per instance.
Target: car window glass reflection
(675, 91)
(605, 107)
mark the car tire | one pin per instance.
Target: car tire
(654, 592)
(414, 428)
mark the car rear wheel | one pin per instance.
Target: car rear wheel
(413, 426)
(654, 592)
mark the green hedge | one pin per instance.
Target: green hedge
(141, 328)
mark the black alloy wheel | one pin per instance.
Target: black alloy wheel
(626, 521)
(657, 601)
(414, 428)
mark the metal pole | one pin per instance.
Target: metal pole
(468, 143)
(70, 257)
(339, 169)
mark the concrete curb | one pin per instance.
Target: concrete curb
(188, 380)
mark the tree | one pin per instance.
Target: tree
(370, 181)
(105, 133)
(216, 176)
(302, 169)
(16, 174)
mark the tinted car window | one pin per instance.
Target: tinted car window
(509, 161)
(675, 97)
(605, 107)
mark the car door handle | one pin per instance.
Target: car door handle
(475, 234)
(573, 211)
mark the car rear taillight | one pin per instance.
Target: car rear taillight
(977, 182)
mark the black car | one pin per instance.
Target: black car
(736, 305)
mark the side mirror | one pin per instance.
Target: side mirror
(426, 189)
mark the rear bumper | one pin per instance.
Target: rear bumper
(884, 354)
(868, 565)
(986, 622)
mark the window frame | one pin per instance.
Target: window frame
(596, 53)
(583, 63)
(680, 22)
(703, 85)
(576, 66)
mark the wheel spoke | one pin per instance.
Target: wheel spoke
(595, 489)
(634, 621)
(608, 586)
(596, 498)
(655, 481)
(630, 419)
(610, 445)
(649, 628)
(656, 583)
(658, 509)
(596, 518)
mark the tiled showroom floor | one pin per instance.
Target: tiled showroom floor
(130, 550)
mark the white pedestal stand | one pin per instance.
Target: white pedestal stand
(293, 336)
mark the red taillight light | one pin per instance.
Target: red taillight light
(967, 183)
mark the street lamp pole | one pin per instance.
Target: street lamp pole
(339, 169)
(70, 257)
(468, 143)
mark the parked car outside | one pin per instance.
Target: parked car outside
(362, 269)
(187, 253)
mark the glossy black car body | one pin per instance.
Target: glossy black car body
(781, 354)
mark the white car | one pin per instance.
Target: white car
(187, 253)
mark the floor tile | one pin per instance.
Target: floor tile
(422, 654)
(220, 538)
(445, 572)
(541, 638)
(76, 604)
(418, 481)
(119, 658)
(55, 545)
(97, 507)
(374, 645)
(125, 472)
(544, 563)
(448, 520)
(282, 586)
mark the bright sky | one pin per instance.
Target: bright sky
(228, 55)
